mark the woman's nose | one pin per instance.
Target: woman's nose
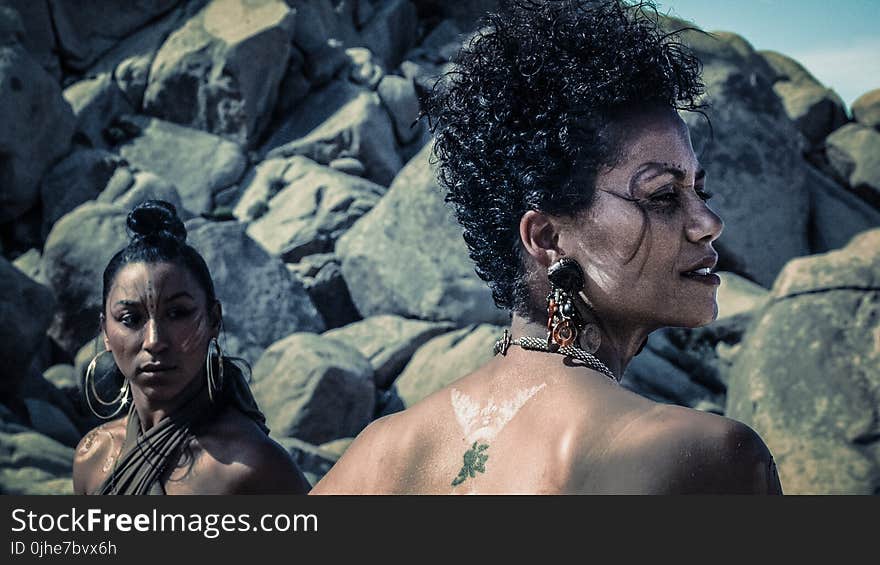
(704, 225)
(154, 340)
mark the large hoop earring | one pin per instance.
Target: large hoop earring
(215, 381)
(89, 386)
(564, 323)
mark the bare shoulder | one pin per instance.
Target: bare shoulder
(95, 454)
(698, 452)
(360, 469)
(241, 459)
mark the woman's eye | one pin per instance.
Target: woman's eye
(176, 313)
(664, 198)
(703, 194)
(129, 320)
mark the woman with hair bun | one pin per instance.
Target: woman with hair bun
(585, 210)
(189, 424)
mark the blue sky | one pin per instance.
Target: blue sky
(838, 41)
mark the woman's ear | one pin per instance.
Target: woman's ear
(216, 318)
(104, 332)
(539, 234)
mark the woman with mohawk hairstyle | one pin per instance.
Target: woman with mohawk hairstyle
(585, 210)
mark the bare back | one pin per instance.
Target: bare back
(537, 426)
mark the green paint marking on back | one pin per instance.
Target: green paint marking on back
(474, 460)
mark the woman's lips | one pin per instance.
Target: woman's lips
(710, 279)
(153, 370)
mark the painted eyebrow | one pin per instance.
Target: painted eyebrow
(654, 169)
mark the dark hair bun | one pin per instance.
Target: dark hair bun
(156, 218)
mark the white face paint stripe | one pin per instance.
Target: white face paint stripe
(486, 422)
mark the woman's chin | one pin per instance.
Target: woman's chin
(705, 318)
(696, 318)
(157, 393)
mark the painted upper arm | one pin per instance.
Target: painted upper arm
(94, 450)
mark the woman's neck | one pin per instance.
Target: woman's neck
(151, 411)
(619, 344)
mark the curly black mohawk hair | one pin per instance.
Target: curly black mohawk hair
(522, 121)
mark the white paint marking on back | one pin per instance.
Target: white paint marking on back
(484, 423)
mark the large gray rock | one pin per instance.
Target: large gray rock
(337, 447)
(424, 71)
(327, 288)
(313, 388)
(39, 37)
(314, 206)
(391, 31)
(753, 160)
(321, 23)
(388, 402)
(363, 68)
(815, 110)
(465, 14)
(407, 256)
(866, 109)
(293, 89)
(31, 463)
(129, 61)
(37, 122)
(361, 129)
(399, 97)
(808, 377)
(737, 295)
(220, 72)
(322, 66)
(62, 376)
(854, 153)
(429, 61)
(58, 411)
(78, 178)
(198, 164)
(258, 186)
(655, 374)
(836, 214)
(318, 107)
(388, 342)
(51, 421)
(87, 28)
(262, 302)
(445, 359)
(443, 41)
(29, 264)
(697, 352)
(12, 27)
(854, 266)
(23, 233)
(127, 189)
(312, 460)
(77, 250)
(96, 102)
(26, 309)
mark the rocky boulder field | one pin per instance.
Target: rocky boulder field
(286, 134)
